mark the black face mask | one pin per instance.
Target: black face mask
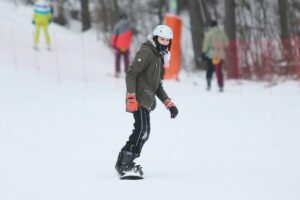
(162, 48)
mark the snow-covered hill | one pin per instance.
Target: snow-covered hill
(63, 122)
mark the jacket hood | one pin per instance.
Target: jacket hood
(150, 44)
(216, 29)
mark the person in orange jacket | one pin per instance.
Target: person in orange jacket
(121, 41)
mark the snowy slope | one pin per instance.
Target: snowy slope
(62, 124)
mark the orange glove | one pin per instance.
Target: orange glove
(131, 103)
(171, 107)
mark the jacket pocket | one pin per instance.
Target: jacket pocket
(150, 97)
(149, 93)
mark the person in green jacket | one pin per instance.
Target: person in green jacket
(41, 18)
(213, 51)
(144, 83)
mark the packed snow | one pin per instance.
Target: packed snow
(63, 122)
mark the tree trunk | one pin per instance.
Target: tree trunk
(161, 5)
(207, 20)
(197, 30)
(85, 15)
(230, 29)
(60, 19)
(103, 16)
(116, 11)
(283, 17)
(285, 33)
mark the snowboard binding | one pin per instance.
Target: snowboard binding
(126, 168)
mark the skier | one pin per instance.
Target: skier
(120, 41)
(143, 83)
(213, 51)
(41, 18)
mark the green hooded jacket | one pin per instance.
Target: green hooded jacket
(215, 43)
(144, 76)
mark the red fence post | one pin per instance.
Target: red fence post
(297, 56)
(237, 57)
(266, 55)
(232, 60)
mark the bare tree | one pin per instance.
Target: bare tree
(85, 15)
(283, 16)
(207, 20)
(230, 29)
(60, 18)
(285, 35)
(197, 29)
(103, 15)
(294, 17)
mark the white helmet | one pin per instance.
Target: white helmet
(163, 31)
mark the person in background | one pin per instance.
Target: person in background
(121, 41)
(213, 52)
(144, 83)
(41, 19)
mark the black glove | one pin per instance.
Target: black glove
(174, 111)
(171, 107)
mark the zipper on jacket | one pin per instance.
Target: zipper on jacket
(158, 75)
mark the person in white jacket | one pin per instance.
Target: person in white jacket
(213, 51)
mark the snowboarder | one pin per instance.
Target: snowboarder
(41, 19)
(143, 83)
(120, 41)
(213, 51)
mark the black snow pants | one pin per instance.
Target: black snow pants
(140, 133)
(126, 56)
(211, 68)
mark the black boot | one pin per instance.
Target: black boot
(208, 85)
(125, 164)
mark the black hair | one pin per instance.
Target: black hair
(123, 15)
(161, 48)
(214, 23)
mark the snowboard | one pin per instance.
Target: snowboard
(131, 175)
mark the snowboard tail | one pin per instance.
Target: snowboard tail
(131, 177)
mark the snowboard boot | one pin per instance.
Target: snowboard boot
(117, 74)
(125, 164)
(208, 88)
(49, 47)
(35, 47)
